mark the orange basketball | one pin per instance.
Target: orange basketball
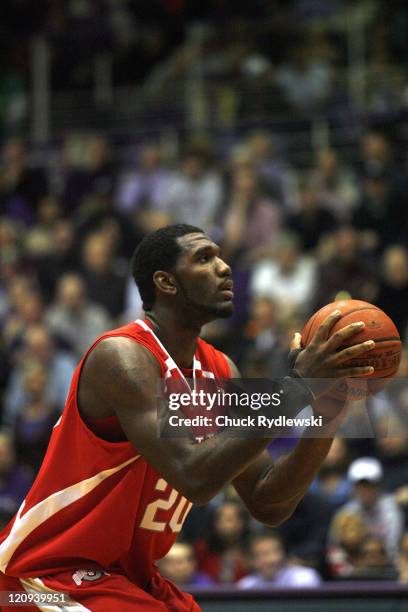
(385, 357)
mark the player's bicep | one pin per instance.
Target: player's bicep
(130, 377)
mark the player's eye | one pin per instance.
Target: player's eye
(204, 258)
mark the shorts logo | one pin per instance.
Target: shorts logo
(87, 574)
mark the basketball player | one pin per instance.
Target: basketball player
(111, 495)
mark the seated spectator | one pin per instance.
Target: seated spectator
(104, 278)
(146, 186)
(35, 420)
(392, 294)
(372, 561)
(15, 480)
(331, 481)
(392, 442)
(95, 173)
(38, 345)
(74, 319)
(63, 258)
(221, 555)
(272, 172)
(348, 531)
(180, 566)
(335, 185)
(380, 214)
(29, 310)
(195, 194)
(378, 510)
(21, 186)
(287, 277)
(39, 241)
(305, 80)
(252, 220)
(272, 568)
(344, 270)
(306, 532)
(402, 562)
(261, 339)
(312, 221)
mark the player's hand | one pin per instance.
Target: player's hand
(323, 358)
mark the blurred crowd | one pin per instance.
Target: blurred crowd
(258, 59)
(296, 240)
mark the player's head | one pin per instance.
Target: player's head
(179, 266)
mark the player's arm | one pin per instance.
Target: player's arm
(271, 491)
(122, 376)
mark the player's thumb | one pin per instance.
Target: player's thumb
(296, 343)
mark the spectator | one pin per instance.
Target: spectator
(21, 186)
(344, 270)
(29, 310)
(335, 185)
(392, 294)
(379, 511)
(145, 187)
(35, 420)
(59, 365)
(373, 563)
(95, 174)
(40, 239)
(347, 533)
(313, 220)
(273, 174)
(195, 194)
(332, 481)
(305, 80)
(15, 480)
(72, 318)
(221, 555)
(261, 339)
(62, 259)
(380, 214)
(252, 220)
(103, 276)
(287, 277)
(402, 563)
(180, 566)
(272, 568)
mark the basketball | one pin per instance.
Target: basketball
(385, 357)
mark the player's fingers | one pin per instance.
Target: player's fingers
(296, 343)
(354, 351)
(324, 328)
(343, 334)
(354, 372)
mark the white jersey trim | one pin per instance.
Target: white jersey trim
(45, 509)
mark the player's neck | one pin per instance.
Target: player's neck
(178, 337)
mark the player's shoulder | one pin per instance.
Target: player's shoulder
(229, 369)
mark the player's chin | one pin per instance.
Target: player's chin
(224, 309)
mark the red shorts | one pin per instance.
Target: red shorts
(93, 590)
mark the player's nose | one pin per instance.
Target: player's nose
(223, 268)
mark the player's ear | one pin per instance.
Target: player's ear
(165, 282)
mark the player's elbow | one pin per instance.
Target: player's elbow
(199, 493)
(272, 517)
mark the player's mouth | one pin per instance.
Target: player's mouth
(226, 289)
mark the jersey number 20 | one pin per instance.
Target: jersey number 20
(180, 512)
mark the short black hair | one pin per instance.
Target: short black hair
(158, 250)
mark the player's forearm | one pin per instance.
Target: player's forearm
(285, 484)
(204, 469)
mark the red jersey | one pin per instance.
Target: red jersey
(99, 502)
